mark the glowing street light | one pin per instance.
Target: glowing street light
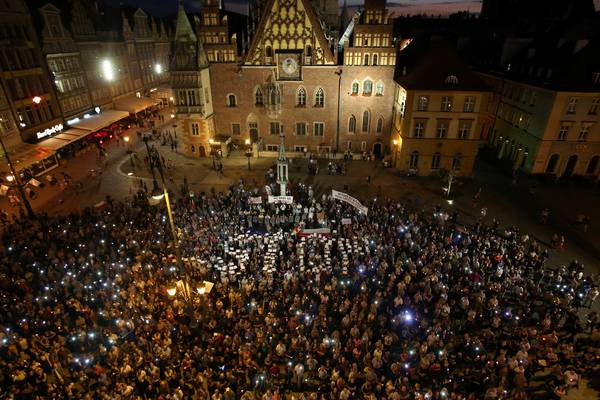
(37, 99)
(10, 178)
(158, 68)
(108, 70)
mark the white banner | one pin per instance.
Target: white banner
(281, 199)
(255, 200)
(315, 231)
(346, 221)
(350, 200)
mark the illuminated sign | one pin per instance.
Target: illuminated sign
(50, 131)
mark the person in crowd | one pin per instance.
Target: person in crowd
(392, 305)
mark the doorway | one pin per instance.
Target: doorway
(377, 150)
(202, 151)
(570, 166)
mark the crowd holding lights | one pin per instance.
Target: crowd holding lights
(396, 305)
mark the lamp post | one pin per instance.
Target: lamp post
(248, 152)
(395, 152)
(15, 176)
(211, 142)
(127, 139)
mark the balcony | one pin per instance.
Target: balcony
(190, 110)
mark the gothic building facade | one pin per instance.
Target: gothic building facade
(295, 74)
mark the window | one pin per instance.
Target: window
(451, 80)
(552, 163)
(320, 98)
(464, 129)
(442, 128)
(301, 128)
(352, 124)
(593, 165)
(533, 99)
(349, 145)
(231, 100)
(301, 97)
(319, 129)
(374, 59)
(379, 89)
(275, 128)
(195, 129)
(258, 97)
(423, 103)
(236, 129)
(355, 86)
(363, 146)
(272, 147)
(193, 149)
(469, 104)
(435, 161)
(572, 107)
(366, 57)
(379, 129)
(446, 104)
(594, 106)
(367, 87)
(366, 122)
(269, 51)
(563, 132)
(414, 160)
(419, 129)
(583, 134)
(456, 162)
(274, 96)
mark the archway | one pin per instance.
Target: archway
(202, 151)
(377, 150)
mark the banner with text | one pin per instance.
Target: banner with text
(281, 199)
(255, 200)
(350, 200)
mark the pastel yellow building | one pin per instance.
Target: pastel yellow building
(440, 112)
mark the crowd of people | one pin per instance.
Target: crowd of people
(310, 300)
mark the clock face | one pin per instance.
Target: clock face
(289, 65)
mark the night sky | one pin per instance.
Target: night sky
(443, 7)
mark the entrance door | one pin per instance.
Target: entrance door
(377, 150)
(570, 166)
(253, 135)
(202, 151)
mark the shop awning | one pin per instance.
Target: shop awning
(99, 121)
(61, 140)
(25, 154)
(134, 105)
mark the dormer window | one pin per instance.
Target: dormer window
(451, 80)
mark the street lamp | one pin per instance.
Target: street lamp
(395, 151)
(14, 176)
(248, 152)
(108, 70)
(211, 142)
(158, 68)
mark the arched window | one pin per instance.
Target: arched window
(258, 97)
(231, 100)
(451, 80)
(366, 59)
(414, 160)
(352, 124)
(379, 89)
(435, 161)
(379, 125)
(367, 87)
(366, 121)
(355, 87)
(552, 163)
(274, 97)
(193, 149)
(301, 97)
(308, 51)
(320, 98)
(374, 59)
(456, 162)
(269, 51)
(593, 165)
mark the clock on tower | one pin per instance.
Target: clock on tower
(289, 65)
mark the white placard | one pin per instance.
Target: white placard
(281, 199)
(255, 200)
(346, 221)
(350, 200)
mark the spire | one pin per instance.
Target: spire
(282, 166)
(282, 156)
(183, 28)
(344, 16)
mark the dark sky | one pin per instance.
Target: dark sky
(444, 7)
